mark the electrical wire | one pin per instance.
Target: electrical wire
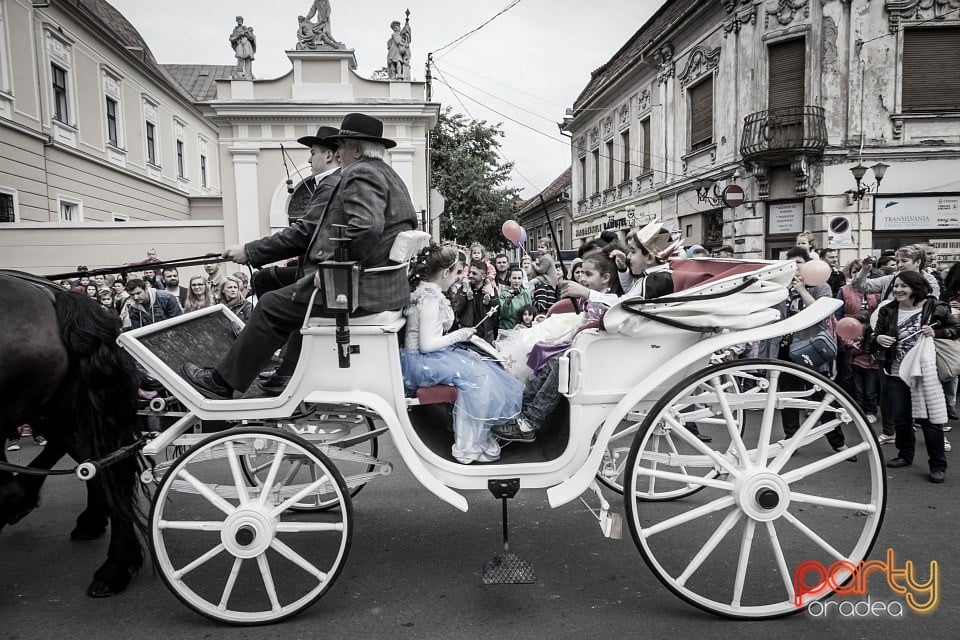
(476, 29)
(561, 140)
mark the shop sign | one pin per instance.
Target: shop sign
(915, 213)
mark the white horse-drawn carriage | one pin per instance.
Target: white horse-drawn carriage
(253, 523)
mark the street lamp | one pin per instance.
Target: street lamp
(859, 171)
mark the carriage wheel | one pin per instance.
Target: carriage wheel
(239, 554)
(760, 538)
(705, 412)
(355, 463)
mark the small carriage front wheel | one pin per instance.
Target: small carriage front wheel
(238, 553)
(781, 522)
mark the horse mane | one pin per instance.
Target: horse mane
(102, 387)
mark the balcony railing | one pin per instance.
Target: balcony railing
(783, 133)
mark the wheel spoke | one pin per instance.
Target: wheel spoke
(807, 531)
(766, 421)
(267, 486)
(683, 518)
(268, 583)
(681, 431)
(299, 495)
(207, 492)
(231, 581)
(733, 427)
(724, 485)
(190, 525)
(308, 527)
(238, 478)
(823, 463)
(746, 543)
(833, 502)
(298, 560)
(206, 557)
(652, 480)
(798, 438)
(728, 523)
(785, 574)
(626, 433)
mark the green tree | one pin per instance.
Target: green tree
(469, 173)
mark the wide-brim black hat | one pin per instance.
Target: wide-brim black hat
(359, 126)
(322, 138)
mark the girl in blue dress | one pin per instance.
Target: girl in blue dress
(486, 394)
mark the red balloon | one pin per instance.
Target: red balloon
(511, 230)
(815, 272)
(849, 329)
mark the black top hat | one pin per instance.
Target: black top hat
(322, 138)
(357, 126)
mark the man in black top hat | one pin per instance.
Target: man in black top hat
(372, 205)
(292, 242)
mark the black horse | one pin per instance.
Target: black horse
(62, 372)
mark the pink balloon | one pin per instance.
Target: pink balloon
(511, 230)
(815, 272)
(849, 329)
(523, 238)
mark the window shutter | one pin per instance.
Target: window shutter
(645, 132)
(931, 70)
(701, 114)
(787, 74)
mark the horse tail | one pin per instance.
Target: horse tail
(103, 381)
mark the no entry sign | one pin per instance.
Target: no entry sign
(733, 196)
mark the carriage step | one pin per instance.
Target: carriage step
(506, 568)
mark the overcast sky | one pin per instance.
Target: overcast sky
(529, 64)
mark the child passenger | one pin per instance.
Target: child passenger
(645, 274)
(544, 270)
(541, 396)
(486, 394)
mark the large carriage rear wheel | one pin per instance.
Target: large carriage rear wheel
(240, 554)
(701, 413)
(760, 537)
(356, 460)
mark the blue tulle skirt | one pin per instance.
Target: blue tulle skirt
(487, 395)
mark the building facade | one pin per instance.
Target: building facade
(781, 98)
(105, 153)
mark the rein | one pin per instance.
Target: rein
(102, 463)
(208, 258)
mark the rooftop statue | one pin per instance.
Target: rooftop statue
(313, 36)
(398, 50)
(244, 45)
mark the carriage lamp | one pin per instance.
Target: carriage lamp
(341, 285)
(859, 171)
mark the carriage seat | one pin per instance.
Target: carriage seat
(383, 318)
(693, 272)
(439, 394)
(405, 246)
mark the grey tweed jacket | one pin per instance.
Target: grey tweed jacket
(374, 206)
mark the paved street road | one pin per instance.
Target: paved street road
(414, 572)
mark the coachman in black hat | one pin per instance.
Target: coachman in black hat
(372, 204)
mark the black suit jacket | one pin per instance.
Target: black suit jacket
(292, 242)
(374, 206)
